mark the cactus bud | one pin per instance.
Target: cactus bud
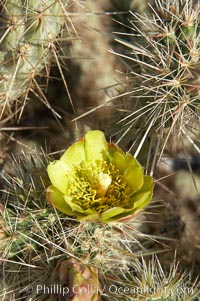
(75, 281)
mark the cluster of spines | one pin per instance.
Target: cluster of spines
(163, 99)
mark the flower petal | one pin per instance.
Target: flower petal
(75, 154)
(123, 161)
(128, 217)
(120, 161)
(91, 217)
(142, 197)
(111, 213)
(55, 197)
(112, 149)
(134, 176)
(76, 208)
(130, 167)
(58, 174)
(96, 146)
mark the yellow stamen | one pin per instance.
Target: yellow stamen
(98, 186)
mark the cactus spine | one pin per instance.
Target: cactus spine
(165, 76)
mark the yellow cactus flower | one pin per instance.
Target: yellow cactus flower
(95, 180)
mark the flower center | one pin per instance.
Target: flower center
(98, 186)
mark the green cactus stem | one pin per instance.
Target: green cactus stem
(28, 31)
